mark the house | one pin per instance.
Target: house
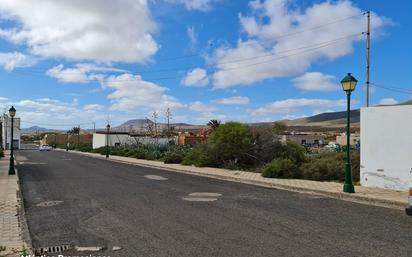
(5, 130)
(188, 138)
(354, 139)
(309, 139)
(386, 147)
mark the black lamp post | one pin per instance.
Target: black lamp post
(107, 140)
(348, 85)
(12, 113)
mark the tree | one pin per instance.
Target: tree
(213, 125)
(231, 142)
(74, 130)
(279, 127)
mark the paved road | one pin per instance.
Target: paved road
(112, 204)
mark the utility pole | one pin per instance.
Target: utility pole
(78, 137)
(94, 127)
(168, 117)
(368, 50)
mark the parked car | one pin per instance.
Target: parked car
(45, 148)
(409, 208)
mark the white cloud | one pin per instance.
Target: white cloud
(202, 107)
(315, 81)
(293, 105)
(13, 60)
(131, 93)
(80, 73)
(199, 5)
(235, 100)
(191, 34)
(104, 31)
(388, 101)
(91, 108)
(197, 78)
(278, 36)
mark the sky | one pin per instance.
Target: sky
(70, 62)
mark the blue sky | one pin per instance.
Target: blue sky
(73, 62)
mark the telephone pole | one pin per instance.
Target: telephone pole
(368, 50)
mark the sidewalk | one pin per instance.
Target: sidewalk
(11, 229)
(365, 195)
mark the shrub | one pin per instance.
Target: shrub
(175, 154)
(330, 166)
(1, 153)
(202, 155)
(281, 168)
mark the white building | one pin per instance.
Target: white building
(123, 138)
(5, 130)
(386, 147)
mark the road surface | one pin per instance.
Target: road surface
(76, 200)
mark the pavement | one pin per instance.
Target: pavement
(368, 195)
(11, 216)
(106, 208)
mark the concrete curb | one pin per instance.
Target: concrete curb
(336, 195)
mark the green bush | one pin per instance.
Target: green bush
(176, 154)
(281, 168)
(202, 155)
(1, 153)
(330, 166)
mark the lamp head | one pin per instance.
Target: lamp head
(12, 112)
(349, 83)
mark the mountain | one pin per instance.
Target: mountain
(141, 125)
(36, 130)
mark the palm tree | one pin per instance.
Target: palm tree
(213, 124)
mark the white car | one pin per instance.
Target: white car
(45, 148)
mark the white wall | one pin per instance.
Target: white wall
(99, 140)
(386, 147)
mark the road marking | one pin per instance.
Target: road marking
(155, 177)
(66, 159)
(88, 248)
(201, 197)
(32, 163)
(116, 248)
(48, 203)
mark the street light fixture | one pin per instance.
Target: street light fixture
(12, 113)
(107, 140)
(348, 85)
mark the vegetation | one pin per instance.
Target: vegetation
(236, 146)
(1, 153)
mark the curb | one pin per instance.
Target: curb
(336, 195)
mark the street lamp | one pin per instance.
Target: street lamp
(107, 140)
(348, 85)
(12, 113)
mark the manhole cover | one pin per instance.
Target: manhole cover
(155, 177)
(201, 197)
(48, 203)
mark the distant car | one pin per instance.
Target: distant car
(409, 208)
(45, 148)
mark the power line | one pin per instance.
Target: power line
(393, 89)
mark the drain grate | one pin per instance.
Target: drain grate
(53, 249)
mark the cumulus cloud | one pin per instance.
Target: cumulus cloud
(13, 60)
(91, 108)
(201, 107)
(388, 101)
(293, 105)
(199, 5)
(284, 41)
(315, 81)
(131, 92)
(196, 78)
(235, 100)
(80, 73)
(103, 31)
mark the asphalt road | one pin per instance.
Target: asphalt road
(111, 204)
